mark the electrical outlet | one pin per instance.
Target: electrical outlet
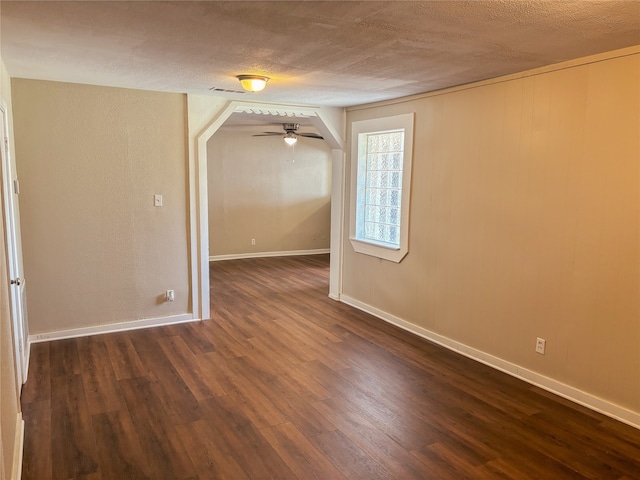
(171, 295)
(253, 241)
(541, 343)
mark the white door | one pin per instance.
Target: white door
(17, 285)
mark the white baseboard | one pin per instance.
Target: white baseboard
(289, 253)
(18, 449)
(566, 391)
(111, 327)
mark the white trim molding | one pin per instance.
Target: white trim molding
(338, 186)
(18, 448)
(286, 253)
(111, 328)
(566, 391)
(361, 130)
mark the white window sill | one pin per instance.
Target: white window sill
(385, 251)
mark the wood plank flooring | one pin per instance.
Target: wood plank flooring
(284, 383)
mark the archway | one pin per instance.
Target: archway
(199, 202)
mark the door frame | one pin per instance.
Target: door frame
(16, 292)
(198, 189)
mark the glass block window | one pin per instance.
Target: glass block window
(383, 186)
(381, 172)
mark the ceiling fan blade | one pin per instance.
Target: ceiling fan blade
(267, 134)
(311, 135)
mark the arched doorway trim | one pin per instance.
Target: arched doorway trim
(199, 206)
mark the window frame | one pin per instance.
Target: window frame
(359, 129)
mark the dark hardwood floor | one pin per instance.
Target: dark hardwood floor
(284, 383)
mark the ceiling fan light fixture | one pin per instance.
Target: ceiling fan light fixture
(253, 83)
(290, 138)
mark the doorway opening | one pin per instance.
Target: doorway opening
(200, 229)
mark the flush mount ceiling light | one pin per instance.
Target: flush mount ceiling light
(253, 83)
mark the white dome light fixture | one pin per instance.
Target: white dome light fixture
(290, 138)
(253, 83)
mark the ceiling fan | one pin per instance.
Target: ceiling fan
(290, 134)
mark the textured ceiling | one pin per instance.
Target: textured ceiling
(318, 53)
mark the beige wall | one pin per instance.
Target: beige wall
(90, 159)
(9, 406)
(524, 223)
(262, 189)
